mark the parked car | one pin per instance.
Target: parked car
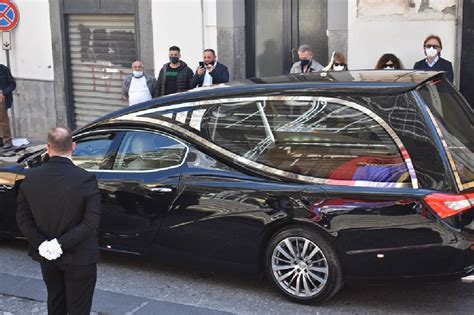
(316, 179)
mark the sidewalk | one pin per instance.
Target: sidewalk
(20, 295)
(15, 305)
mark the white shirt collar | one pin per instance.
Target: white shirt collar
(207, 77)
(433, 63)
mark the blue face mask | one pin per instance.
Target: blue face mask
(304, 62)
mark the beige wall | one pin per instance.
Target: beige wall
(180, 23)
(376, 27)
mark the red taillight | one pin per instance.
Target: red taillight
(446, 205)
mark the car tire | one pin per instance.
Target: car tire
(303, 265)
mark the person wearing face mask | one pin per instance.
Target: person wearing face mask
(306, 63)
(339, 62)
(175, 76)
(138, 87)
(433, 62)
(210, 71)
(389, 62)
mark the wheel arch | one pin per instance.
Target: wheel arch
(275, 229)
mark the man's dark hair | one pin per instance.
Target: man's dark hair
(210, 50)
(60, 139)
(175, 48)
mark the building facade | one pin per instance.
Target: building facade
(70, 56)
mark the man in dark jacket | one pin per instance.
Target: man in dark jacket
(7, 85)
(433, 62)
(213, 72)
(175, 76)
(58, 211)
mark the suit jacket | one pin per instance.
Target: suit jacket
(60, 200)
(220, 74)
(440, 65)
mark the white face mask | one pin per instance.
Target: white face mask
(431, 52)
(137, 74)
(338, 68)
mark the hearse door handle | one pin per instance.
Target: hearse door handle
(161, 189)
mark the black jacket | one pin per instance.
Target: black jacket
(7, 84)
(60, 200)
(220, 74)
(441, 65)
(183, 80)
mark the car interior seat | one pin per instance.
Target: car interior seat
(141, 153)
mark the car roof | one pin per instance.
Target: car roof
(369, 76)
(361, 82)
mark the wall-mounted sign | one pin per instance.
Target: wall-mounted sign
(9, 15)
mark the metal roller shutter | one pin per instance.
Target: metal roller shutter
(102, 48)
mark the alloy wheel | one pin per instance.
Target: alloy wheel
(299, 267)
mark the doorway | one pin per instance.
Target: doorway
(275, 29)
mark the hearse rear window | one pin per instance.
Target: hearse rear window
(454, 120)
(317, 138)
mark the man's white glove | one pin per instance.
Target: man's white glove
(50, 250)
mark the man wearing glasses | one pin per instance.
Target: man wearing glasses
(433, 61)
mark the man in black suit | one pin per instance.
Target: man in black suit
(59, 213)
(210, 71)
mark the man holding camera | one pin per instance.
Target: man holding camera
(210, 71)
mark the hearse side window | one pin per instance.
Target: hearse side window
(142, 151)
(315, 138)
(91, 150)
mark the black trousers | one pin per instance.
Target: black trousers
(70, 288)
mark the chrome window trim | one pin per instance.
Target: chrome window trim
(137, 130)
(138, 116)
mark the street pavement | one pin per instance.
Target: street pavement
(133, 285)
(15, 305)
